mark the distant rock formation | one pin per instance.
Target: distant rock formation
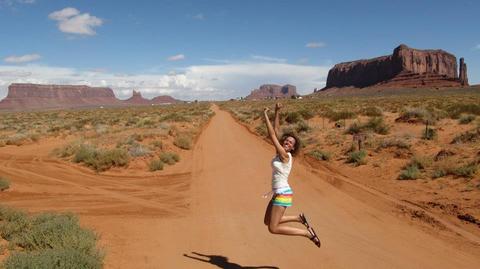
(23, 96)
(406, 67)
(463, 73)
(31, 96)
(272, 91)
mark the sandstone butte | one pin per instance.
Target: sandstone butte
(23, 96)
(272, 91)
(405, 68)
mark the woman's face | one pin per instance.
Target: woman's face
(289, 143)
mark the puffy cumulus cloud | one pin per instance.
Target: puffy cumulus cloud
(202, 82)
(314, 45)
(71, 21)
(177, 57)
(22, 59)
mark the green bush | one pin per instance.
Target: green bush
(155, 165)
(48, 241)
(373, 111)
(101, 160)
(293, 117)
(455, 110)
(357, 157)
(4, 183)
(466, 118)
(183, 142)
(54, 259)
(375, 124)
(302, 127)
(340, 115)
(169, 157)
(410, 172)
(320, 155)
(469, 136)
(157, 144)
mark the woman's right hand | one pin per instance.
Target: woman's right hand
(266, 109)
(278, 106)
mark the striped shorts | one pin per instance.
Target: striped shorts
(283, 198)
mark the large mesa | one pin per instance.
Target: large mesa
(272, 91)
(406, 67)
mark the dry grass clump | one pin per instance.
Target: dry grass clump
(155, 165)
(320, 155)
(4, 183)
(457, 109)
(375, 124)
(467, 137)
(372, 111)
(415, 167)
(466, 118)
(449, 166)
(183, 141)
(100, 159)
(48, 240)
(357, 157)
(169, 157)
(417, 115)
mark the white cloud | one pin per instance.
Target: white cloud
(10, 3)
(22, 59)
(199, 16)
(71, 21)
(314, 45)
(268, 59)
(202, 82)
(477, 47)
(177, 57)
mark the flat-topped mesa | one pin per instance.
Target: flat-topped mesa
(32, 96)
(406, 67)
(272, 91)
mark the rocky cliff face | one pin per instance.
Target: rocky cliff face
(406, 67)
(271, 91)
(35, 96)
(32, 96)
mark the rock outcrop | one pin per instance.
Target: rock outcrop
(31, 96)
(406, 67)
(22, 96)
(272, 91)
(463, 73)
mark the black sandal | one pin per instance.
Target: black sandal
(303, 219)
(314, 237)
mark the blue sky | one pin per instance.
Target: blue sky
(218, 49)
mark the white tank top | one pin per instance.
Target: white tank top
(280, 172)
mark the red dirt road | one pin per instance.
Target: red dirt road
(211, 204)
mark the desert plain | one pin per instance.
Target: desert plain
(387, 180)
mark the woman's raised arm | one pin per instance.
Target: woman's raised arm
(271, 133)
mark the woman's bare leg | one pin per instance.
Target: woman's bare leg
(284, 219)
(275, 228)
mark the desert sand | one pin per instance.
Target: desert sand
(211, 204)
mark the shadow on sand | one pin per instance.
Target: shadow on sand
(222, 262)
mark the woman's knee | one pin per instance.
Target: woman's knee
(273, 229)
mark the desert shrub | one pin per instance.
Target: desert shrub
(416, 115)
(469, 136)
(375, 124)
(169, 157)
(293, 117)
(429, 134)
(261, 129)
(157, 144)
(68, 150)
(466, 118)
(155, 165)
(448, 166)
(357, 157)
(102, 159)
(175, 117)
(409, 172)
(4, 183)
(17, 139)
(422, 162)
(183, 142)
(48, 241)
(320, 155)
(139, 150)
(372, 111)
(340, 115)
(145, 122)
(467, 170)
(306, 114)
(302, 127)
(54, 259)
(455, 110)
(394, 142)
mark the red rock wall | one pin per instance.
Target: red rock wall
(271, 91)
(422, 67)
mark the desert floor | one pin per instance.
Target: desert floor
(207, 211)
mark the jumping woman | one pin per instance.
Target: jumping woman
(282, 193)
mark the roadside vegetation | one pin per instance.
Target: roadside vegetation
(47, 241)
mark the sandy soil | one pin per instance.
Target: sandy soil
(211, 204)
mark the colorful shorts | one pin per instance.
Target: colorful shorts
(283, 198)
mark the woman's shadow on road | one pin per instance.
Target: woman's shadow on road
(222, 262)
